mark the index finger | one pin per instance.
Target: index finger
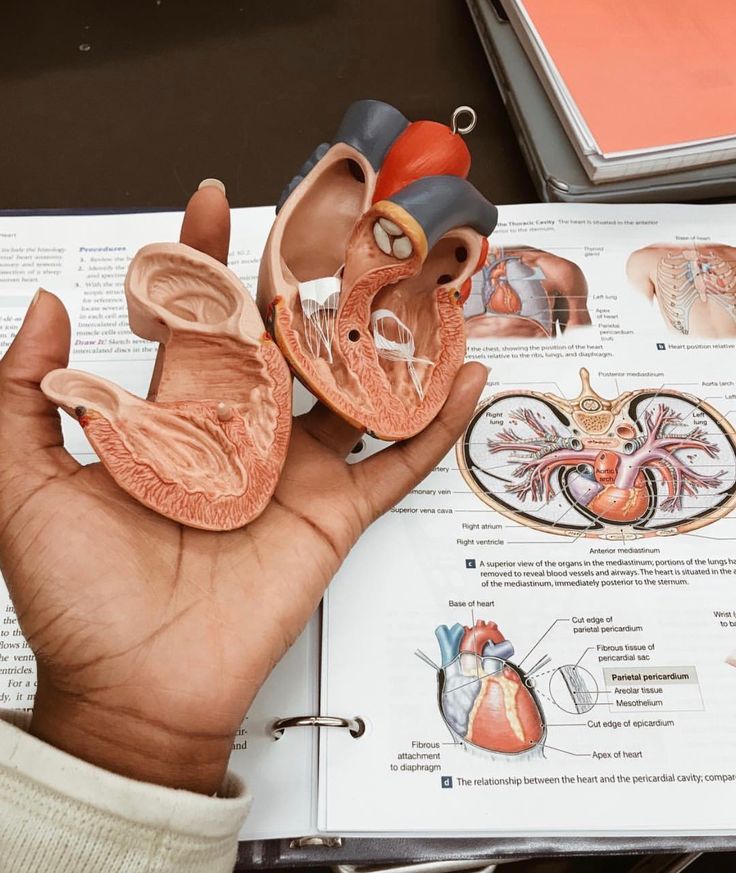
(206, 223)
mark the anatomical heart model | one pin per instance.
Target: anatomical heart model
(652, 462)
(208, 448)
(368, 263)
(485, 699)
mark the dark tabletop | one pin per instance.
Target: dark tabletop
(128, 105)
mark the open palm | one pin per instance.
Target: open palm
(152, 638)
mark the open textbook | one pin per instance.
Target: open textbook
(541, 638)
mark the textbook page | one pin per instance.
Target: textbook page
(550, 615)
(83, 259)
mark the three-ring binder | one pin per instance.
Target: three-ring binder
(356, 725)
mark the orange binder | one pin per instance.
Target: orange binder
(644, 74)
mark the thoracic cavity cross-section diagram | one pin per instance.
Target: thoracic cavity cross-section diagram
(650, 462)
(485, 700)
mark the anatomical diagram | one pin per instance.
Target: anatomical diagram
(485, 699)
(207, 447)
(368, 262)
(693, 285)
(651, 462)
(528, 293)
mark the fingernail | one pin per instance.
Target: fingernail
(34, 301)
(212, 183)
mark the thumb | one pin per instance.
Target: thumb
(28, 420)
(387, 477)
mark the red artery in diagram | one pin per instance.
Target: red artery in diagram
(647, 462)
(484, 697)
(475, 638)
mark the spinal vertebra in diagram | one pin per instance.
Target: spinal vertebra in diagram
(485, 700)
(650, 462)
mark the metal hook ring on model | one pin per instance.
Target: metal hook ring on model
(367, 266)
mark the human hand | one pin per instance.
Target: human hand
(152, 638)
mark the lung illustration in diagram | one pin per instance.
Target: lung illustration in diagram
(652, 462)
(485, 699)
(694, 286)
(524, 292)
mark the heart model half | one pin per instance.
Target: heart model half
(208, 447)
(368, 263)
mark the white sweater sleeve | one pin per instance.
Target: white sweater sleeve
(60, 813)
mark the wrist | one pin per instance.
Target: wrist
(130, 743)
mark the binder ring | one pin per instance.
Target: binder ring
(356, 725)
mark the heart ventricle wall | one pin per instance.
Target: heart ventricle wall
(486, 703)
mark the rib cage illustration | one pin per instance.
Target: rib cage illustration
(689, 275)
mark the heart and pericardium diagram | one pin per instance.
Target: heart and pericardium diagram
(486, 700)
(652, 462)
